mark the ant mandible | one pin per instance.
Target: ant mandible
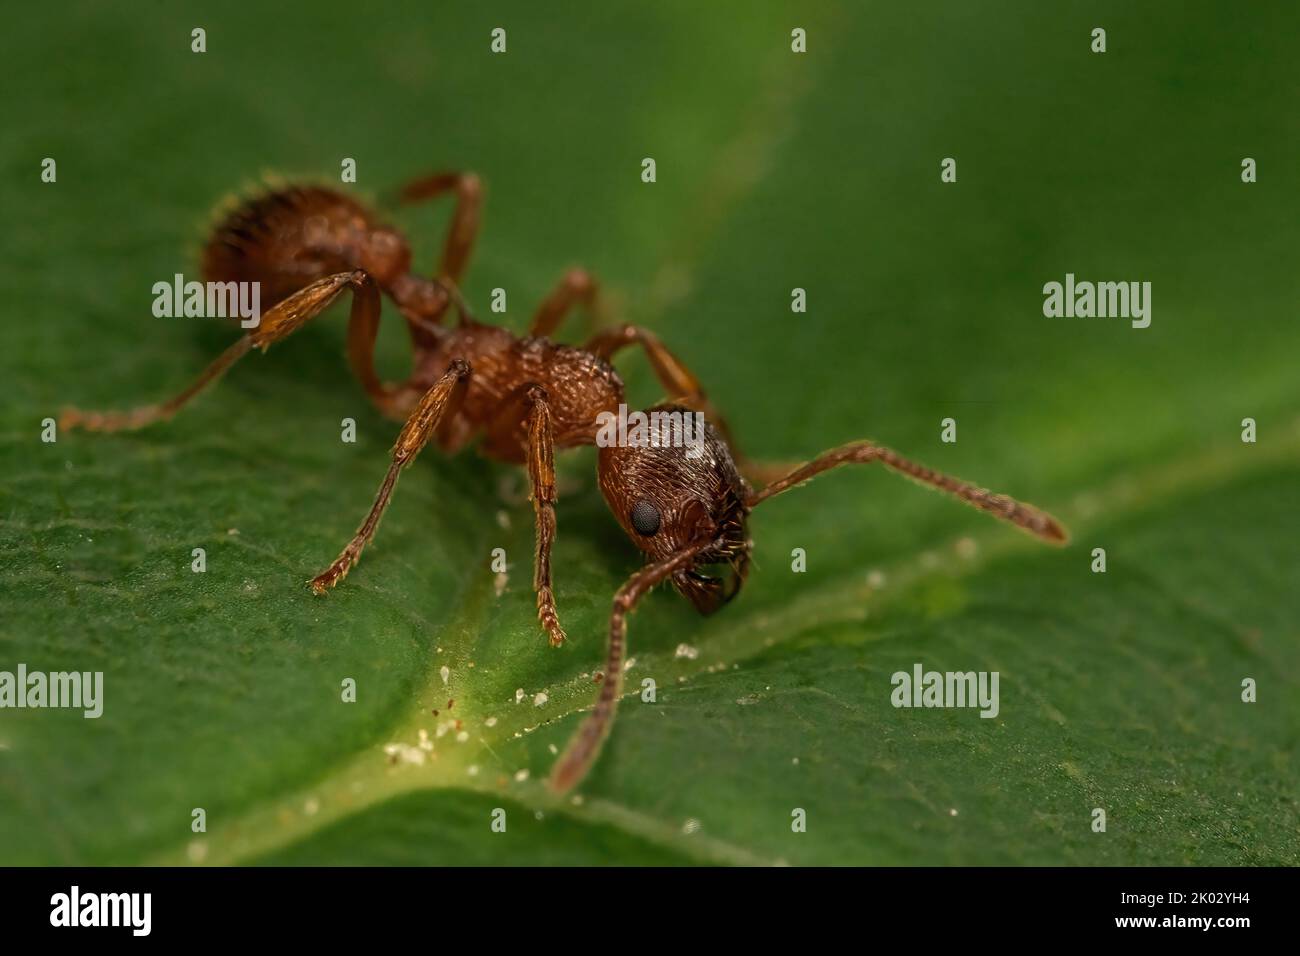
(686, 510)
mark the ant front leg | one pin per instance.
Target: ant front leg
(676, 378)
(541, 475)
(529, 404)
(279, 322)
(444, 397)
(682, 385)
(468, 189)
(576, 287)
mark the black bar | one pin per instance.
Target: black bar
(522, 906)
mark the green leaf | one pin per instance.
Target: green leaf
(1119, 691)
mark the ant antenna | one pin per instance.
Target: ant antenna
(584, 746)
(1024, 516)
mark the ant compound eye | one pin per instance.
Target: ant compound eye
(645, 518)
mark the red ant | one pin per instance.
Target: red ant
(687, 509)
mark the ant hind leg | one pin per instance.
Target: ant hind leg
(279, 322)
(468, 189)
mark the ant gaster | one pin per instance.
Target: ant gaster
(525, 396)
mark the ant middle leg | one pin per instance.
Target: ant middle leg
(459, 244)
(577, 287)
(443, 398)
(279, 322)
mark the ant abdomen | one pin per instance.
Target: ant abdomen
(290, 237)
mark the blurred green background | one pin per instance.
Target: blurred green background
(775, 170)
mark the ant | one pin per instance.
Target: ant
(686, 509)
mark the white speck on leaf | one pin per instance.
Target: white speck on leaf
(405, 753)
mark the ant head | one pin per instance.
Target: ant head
(669, 478)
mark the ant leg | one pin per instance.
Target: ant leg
(464, 220)
(683, 385)
(541, 478)
(680, 382)
(576, 286)
(1027, 517)
(445, 395)
(72, 418)
(541, 475)
(280, 321)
